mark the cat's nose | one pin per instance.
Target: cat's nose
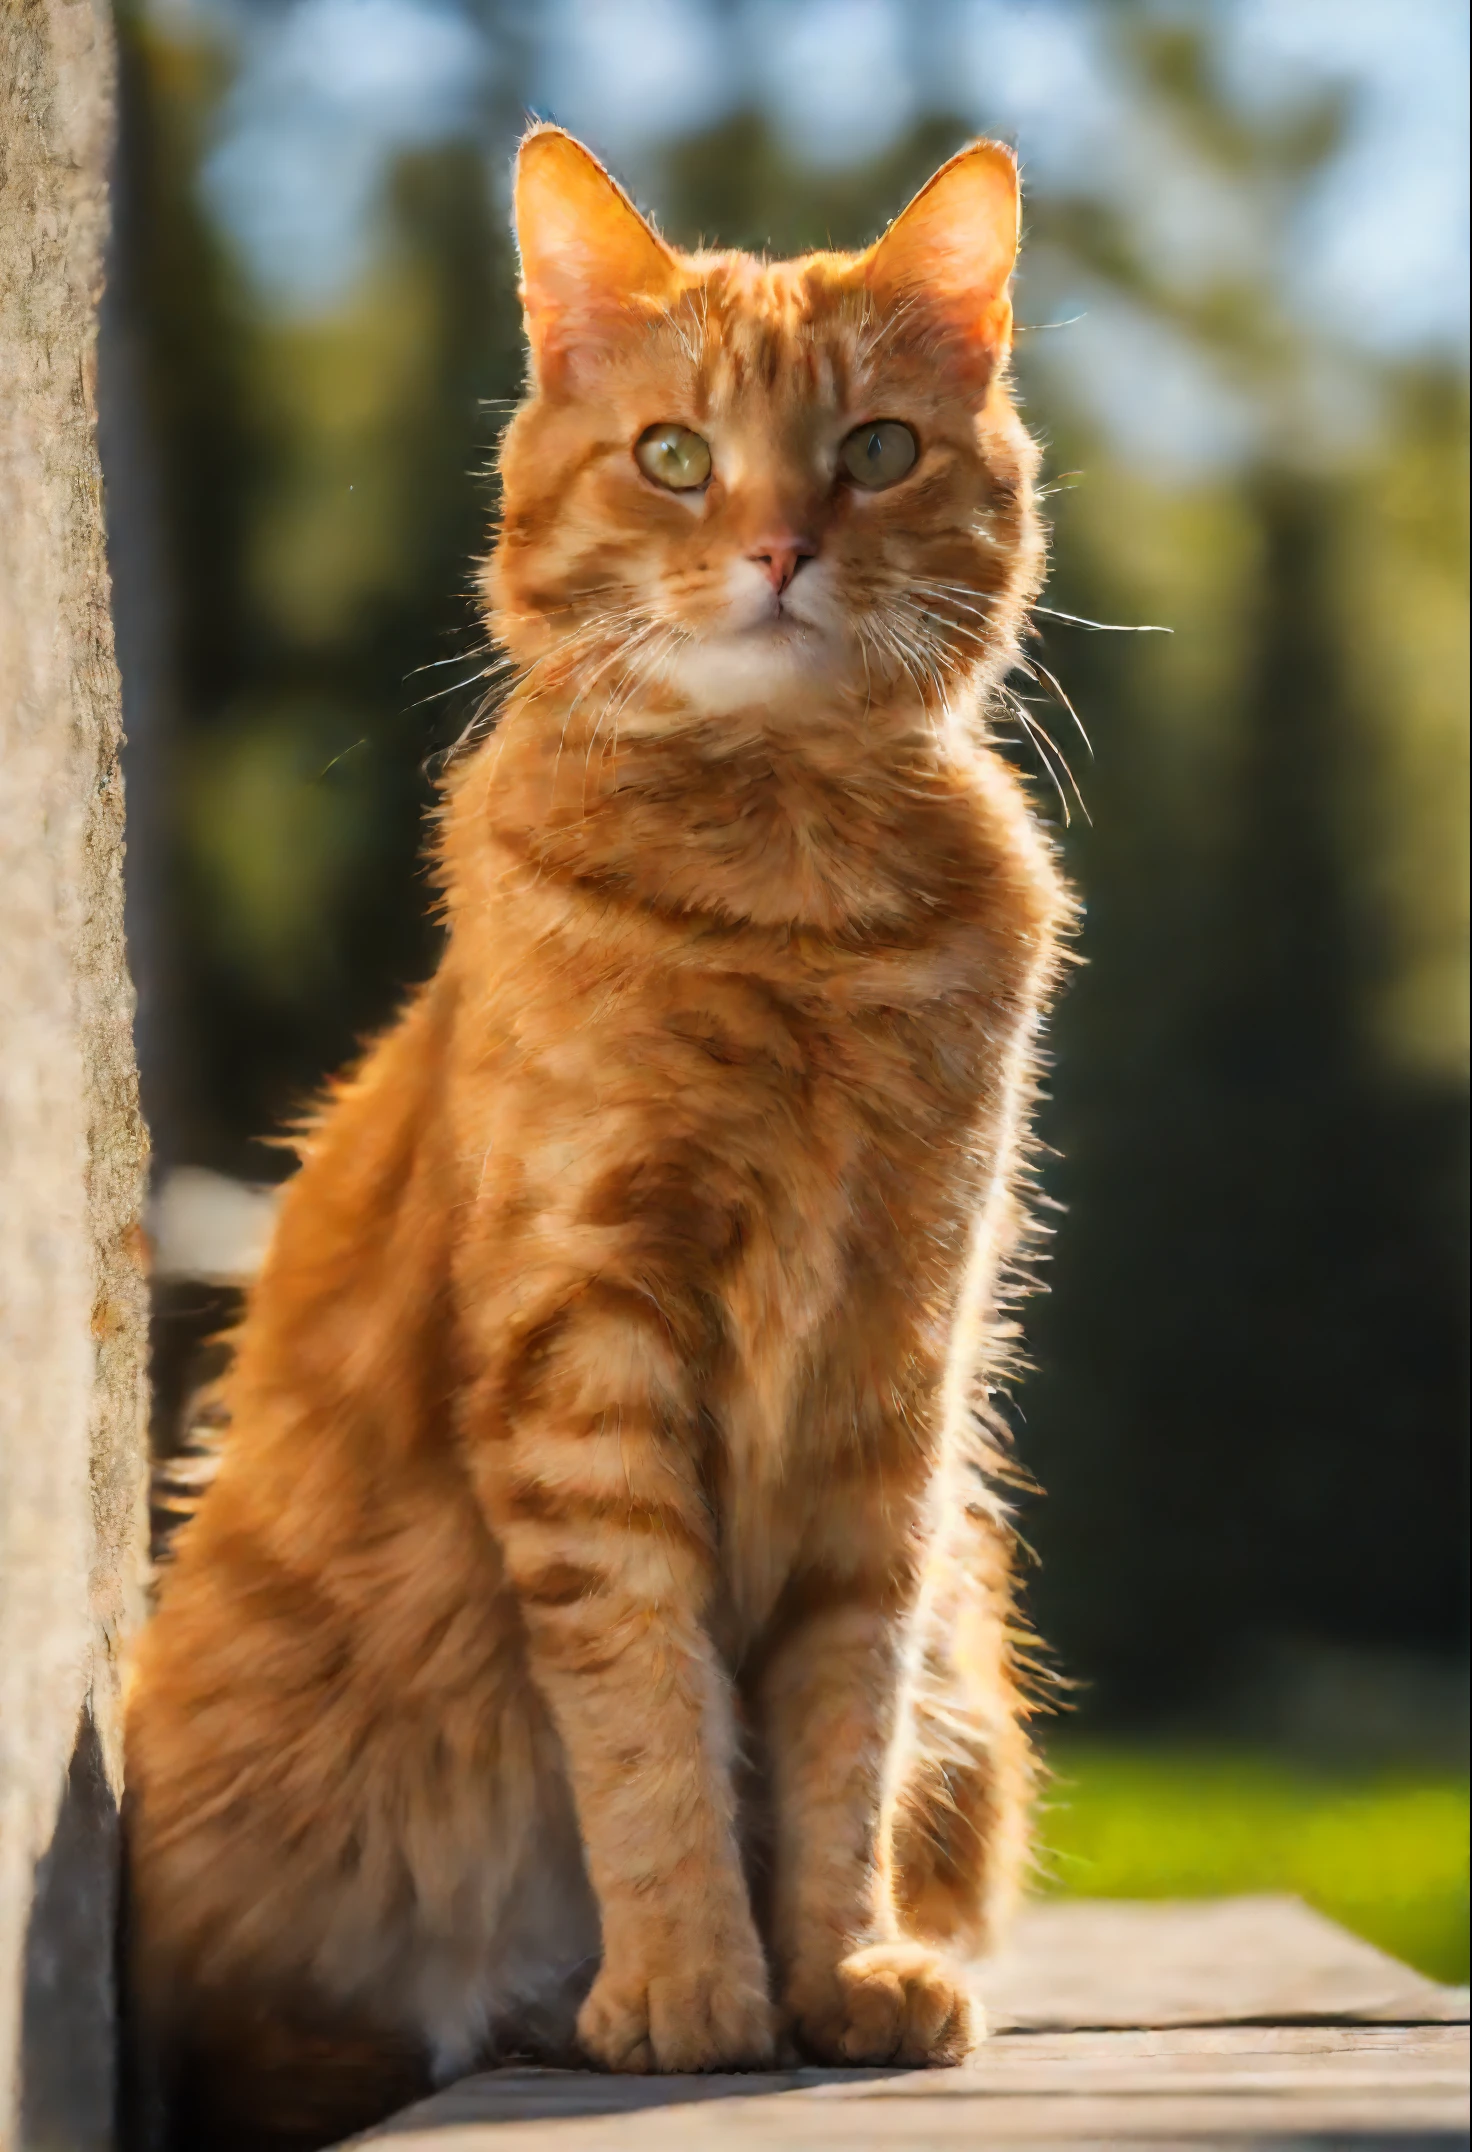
(780, 558)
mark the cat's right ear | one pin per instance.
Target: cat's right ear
(591, 268)
(948, 258)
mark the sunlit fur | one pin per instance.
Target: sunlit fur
(606, 1573)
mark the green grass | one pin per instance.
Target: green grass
(1386, 1853)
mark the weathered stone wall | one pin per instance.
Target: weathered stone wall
(72, 1314)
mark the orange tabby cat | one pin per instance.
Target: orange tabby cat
(598, 1638)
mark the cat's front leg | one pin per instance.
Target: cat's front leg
(584, 1457)
(855, 1988)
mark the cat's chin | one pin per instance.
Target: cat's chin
(771, 663)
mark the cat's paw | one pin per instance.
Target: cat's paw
(709, 2017)
(891, 2002)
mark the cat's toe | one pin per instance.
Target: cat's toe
(719, 2020)
(613, 2027)
(706, 2018)
(891, 2002)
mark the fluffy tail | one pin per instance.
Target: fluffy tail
(962, 1820)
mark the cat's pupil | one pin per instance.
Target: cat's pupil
(877, 455)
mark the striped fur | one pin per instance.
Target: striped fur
(598, 1636)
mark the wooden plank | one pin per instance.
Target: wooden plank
(1211, 2022)
(1290, 2084)
(1081, 1961)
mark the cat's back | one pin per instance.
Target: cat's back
(336, 1520)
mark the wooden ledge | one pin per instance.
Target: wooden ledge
(1220, 2023)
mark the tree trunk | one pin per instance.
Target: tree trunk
(72, 1147)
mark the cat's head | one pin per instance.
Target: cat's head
(777, 485)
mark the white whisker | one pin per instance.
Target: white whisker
(1102, 627)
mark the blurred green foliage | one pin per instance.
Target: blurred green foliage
(1386, 1855)
(322, 502)
(1250, 1399)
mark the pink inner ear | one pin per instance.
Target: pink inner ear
(586, 253)
(955, 246)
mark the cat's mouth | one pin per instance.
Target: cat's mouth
(757, 615)
(779, 620)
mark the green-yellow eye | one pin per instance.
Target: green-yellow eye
(879, 454)
(673, 456)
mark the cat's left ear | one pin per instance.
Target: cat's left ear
(591, 268)
(948, 258)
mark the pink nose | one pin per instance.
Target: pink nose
(780, 558)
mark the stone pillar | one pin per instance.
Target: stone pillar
(72, 1147)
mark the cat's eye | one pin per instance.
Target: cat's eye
(673, 456)
(879, 454)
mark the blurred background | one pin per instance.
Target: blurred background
(1244, 343)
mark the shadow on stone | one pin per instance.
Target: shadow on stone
(69, 2012)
